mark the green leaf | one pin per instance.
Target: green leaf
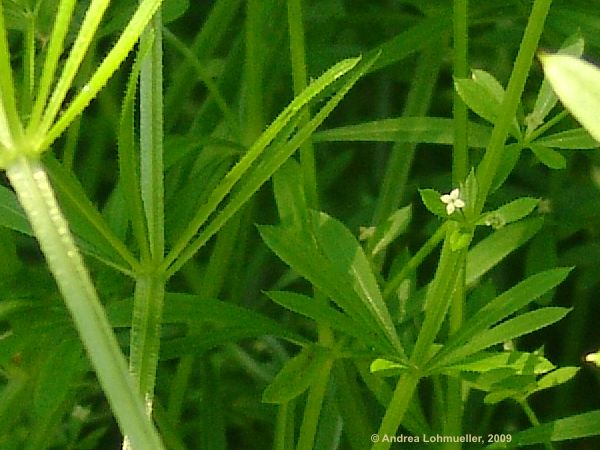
(501, 307)
(413, 39)
(430, 130)
(577, 84)
(84, 219)
(510, 157)
(57, 374)
(296, 376)
(520, 362)
(546, 99)
(431, 200)
(11, 213)
(511, 212)
(577, 139)
(483, 94)
(494, 248)
(193, 309)
(277, 133)
(556, 377)
(333, 261)
(390, 229)
(523, 324)
(347, 255)
(288, 186)
(573, 427)
(548, 157)
(319, 312)
(386, 367)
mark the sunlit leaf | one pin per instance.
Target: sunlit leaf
(577, 84)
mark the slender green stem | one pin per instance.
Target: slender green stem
(415, 261)
(530, 413)
(37, 198)
(460, 154)
(439, 296)
(454, 403)
(493, 155)
(254, 71)
(312, 410)
(394, 413)
(284, 427)
(300, 80)
(211, 86)
(546, 126)
(402, 155)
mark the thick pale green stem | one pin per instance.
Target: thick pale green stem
(150, 283)
(37, 198)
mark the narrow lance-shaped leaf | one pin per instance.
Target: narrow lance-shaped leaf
(572, 427)
(344, 251)
(503, 306)
(430, 130)
(245, 163)
(269, 164)
(523, 324)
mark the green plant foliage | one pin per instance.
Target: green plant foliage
(299, 225)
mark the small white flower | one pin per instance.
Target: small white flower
(452, 201)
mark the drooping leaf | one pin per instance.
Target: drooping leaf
(331, 258)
